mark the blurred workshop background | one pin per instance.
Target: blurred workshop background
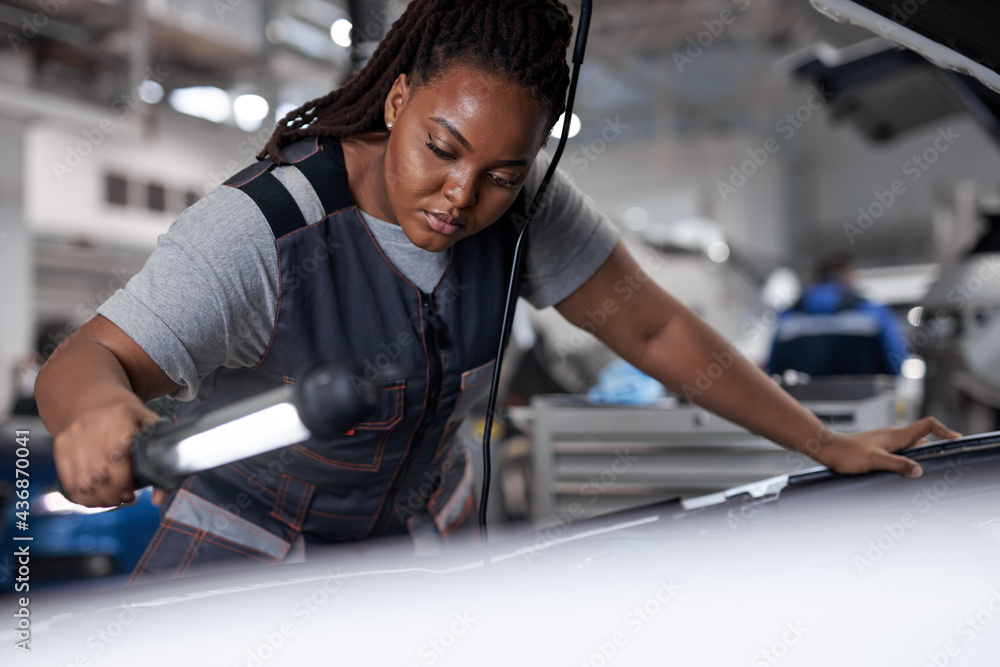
(737, 144)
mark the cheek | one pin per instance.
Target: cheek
(410, 172)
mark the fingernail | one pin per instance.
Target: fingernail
(916, 471)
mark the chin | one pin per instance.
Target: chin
(429, 240)
(439, 245)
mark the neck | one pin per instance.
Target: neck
(364, 157)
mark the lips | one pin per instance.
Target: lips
(443, 223)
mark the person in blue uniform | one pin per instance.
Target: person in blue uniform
(376, 227)
(833, 330)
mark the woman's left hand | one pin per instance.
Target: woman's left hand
(874, 450)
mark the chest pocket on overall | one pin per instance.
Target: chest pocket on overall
(362, 447)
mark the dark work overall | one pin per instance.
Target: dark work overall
(341, 300)
(844, 342)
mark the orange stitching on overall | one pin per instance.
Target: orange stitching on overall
(150, 550)
(154, 544)
(333, 463)
(350, 517)
(241, 550)
(315, 150)
(279, 503)
(423, 343)
(399, 389)
(304, 499)
(409, 442)
(258, 485)
(281, 290)
(191, 551)
(248, 526)
(489, 377)
(379, 250)
(278, 510)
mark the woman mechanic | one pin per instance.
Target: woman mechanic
(377, 225)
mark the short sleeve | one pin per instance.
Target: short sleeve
(569, 239)
(207, 296)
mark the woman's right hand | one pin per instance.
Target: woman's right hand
(91, 394)
(93, 454)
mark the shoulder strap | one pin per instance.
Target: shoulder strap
(327, 173)
(271, 197)
(321, 163)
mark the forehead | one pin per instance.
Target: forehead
(492, 112)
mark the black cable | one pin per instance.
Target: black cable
(514, 285)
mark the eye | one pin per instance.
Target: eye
(437, 151)
(502, 182)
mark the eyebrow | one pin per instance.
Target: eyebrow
(448, 125)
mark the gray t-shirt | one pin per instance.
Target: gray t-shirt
(208, 295)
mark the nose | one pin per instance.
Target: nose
(460, 188)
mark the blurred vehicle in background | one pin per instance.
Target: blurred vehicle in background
(69, 542)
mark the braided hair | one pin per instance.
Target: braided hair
(526, 40)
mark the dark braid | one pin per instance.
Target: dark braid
(526, 40)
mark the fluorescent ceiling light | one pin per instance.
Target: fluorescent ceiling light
(340, 32)
(574, 126)
(206, 102)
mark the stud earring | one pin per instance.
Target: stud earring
(388, 125)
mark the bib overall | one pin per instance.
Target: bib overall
(341, 300)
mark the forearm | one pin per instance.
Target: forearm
(695, 362)
(663, 338)
(81, 375)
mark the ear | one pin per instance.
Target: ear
(397, 98)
